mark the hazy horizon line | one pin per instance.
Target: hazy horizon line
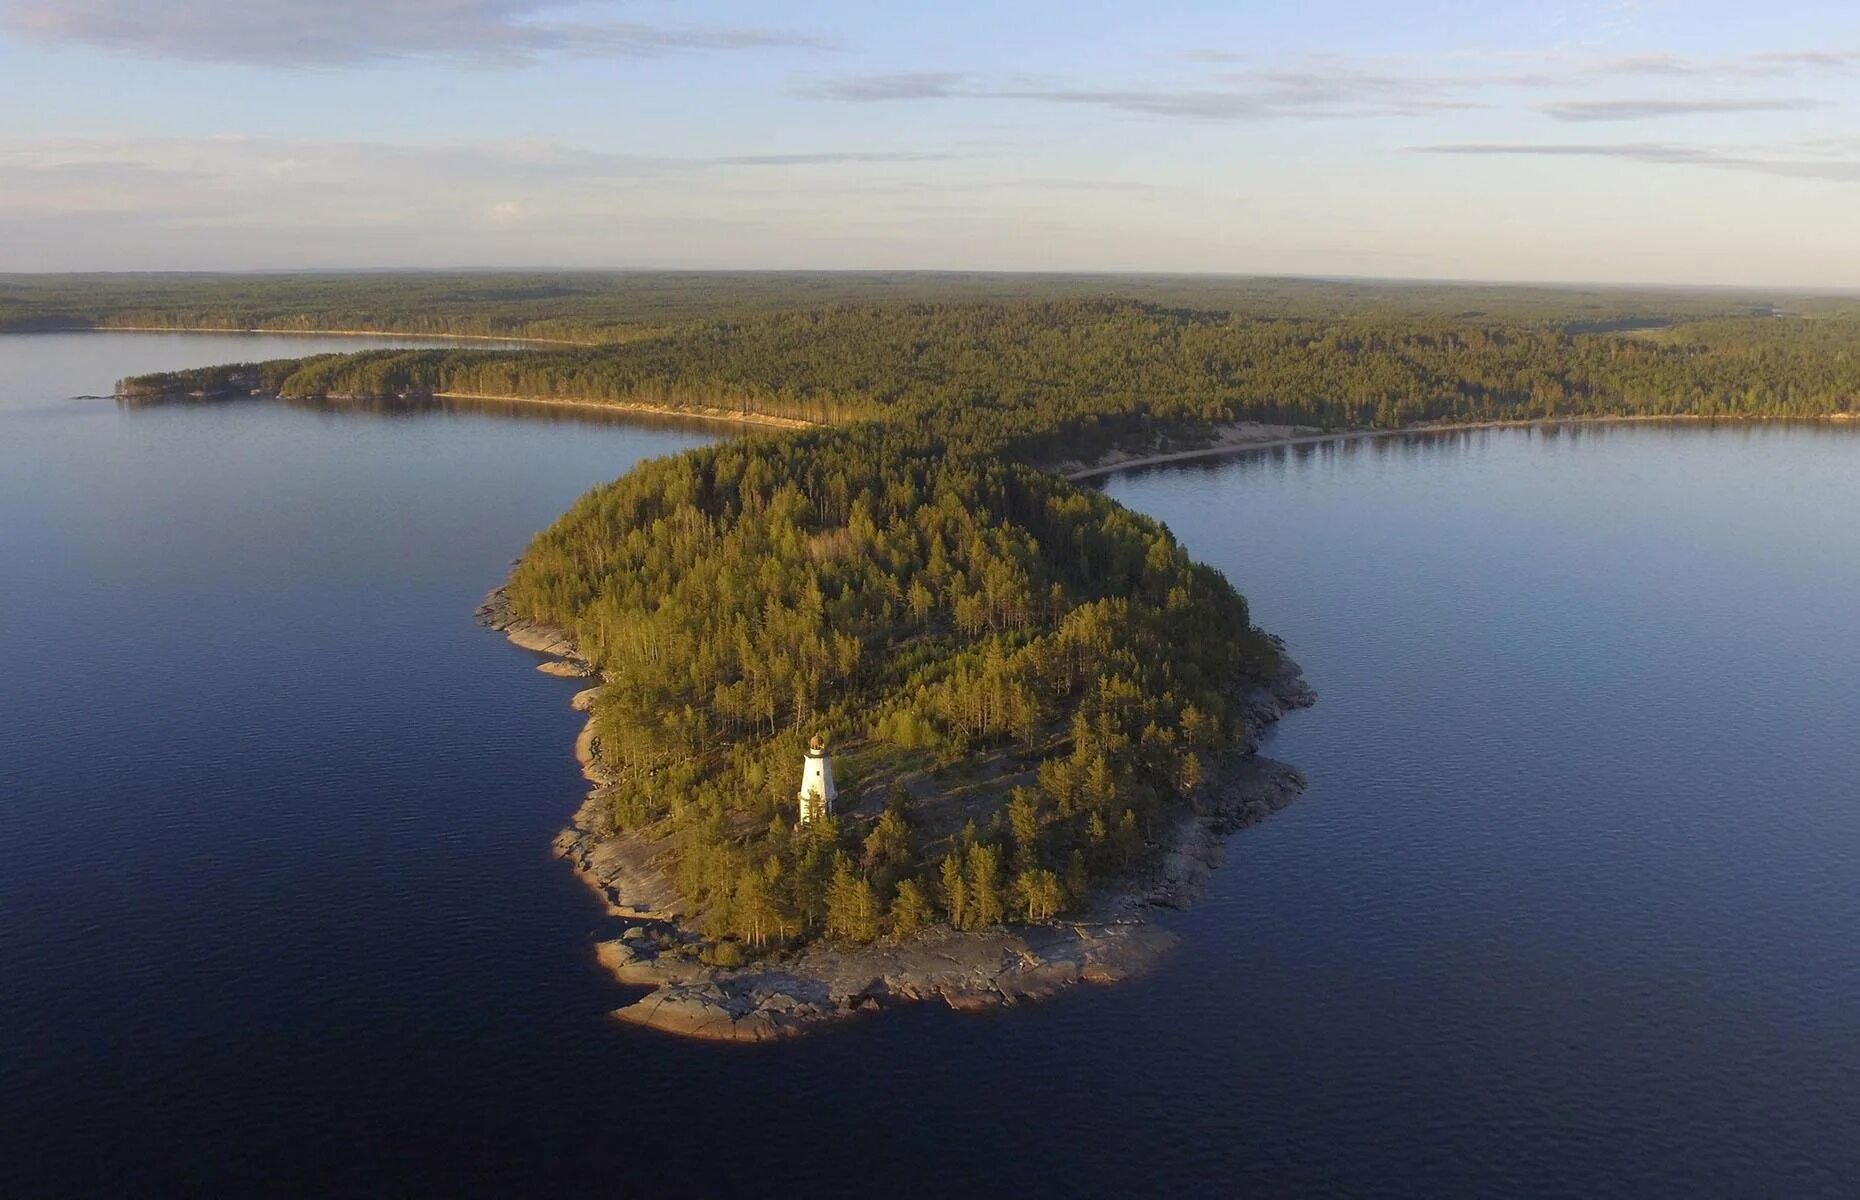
(1000, 272)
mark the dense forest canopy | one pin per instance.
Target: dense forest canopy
(609, 306)
(1052, 377)
(922, 606)
(1021, 679)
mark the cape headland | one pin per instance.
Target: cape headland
(791, 992)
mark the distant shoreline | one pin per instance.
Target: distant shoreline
(634, 407)
(644, 407)
(1099, 468)
(380, 333)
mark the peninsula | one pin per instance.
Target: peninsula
(1038, 708)
(702, 988)
(1039, 713)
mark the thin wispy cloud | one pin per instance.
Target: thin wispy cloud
(1825, 60)
(1332, 88)
(1655, 152)
(1787, 161)
(312, 200)
(300, 160)
(826, 158)
(1644, 109)
(902, 85)
(1767, 64)
(1242, 104)
(1321, 91)
(335, 33)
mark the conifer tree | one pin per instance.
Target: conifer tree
(985, 906)
(1024, 820)
(1038, 891)
(910, 909)
(955, 889)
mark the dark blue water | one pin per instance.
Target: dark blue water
(1570, 908)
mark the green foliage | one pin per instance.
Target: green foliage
(1058, 379)
(911, 909)
(743, 597)
(955, 884)
(1038, 893)
(615, 306)
(901, 578)
(852, 906)
(986, 905)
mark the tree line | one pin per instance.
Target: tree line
(903, 579)
(1044, 380)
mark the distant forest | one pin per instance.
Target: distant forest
(1023, 681)
(1042, 378)
(613, 306)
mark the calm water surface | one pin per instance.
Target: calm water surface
(1570, 907)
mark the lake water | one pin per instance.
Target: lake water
(1569, 909)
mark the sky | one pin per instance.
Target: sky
(1630, 141)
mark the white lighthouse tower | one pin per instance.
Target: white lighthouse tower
(817, 790)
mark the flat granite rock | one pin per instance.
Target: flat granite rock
(970, 972)
(495, 611)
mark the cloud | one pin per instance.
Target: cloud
(334, 33)
(1790, 161)
(1637, 110)
(1667, 65)
(1767, 64)
(903, 85)
(1330, 87)
(259, 201)
(1323, 90)
(826, 158)
(250, 163)
(1661, 152)
(1826, 60)
(1261, 97)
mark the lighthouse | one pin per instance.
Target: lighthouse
(817, 790)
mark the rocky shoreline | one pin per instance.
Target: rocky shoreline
(822, 983)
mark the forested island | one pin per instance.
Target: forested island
(1041, 709)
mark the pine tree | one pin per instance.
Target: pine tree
(1188, 773)
(852, 908)
(1100, 786)
(1024, 820)
(1039, 893)
(910, 909)
(955, 889)
(1126, 839)
(889, 843)
(754, 907)
(1078, 880)
(866, 913)
(985, 906)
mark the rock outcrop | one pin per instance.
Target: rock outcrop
(825, 982)
(553, 640)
